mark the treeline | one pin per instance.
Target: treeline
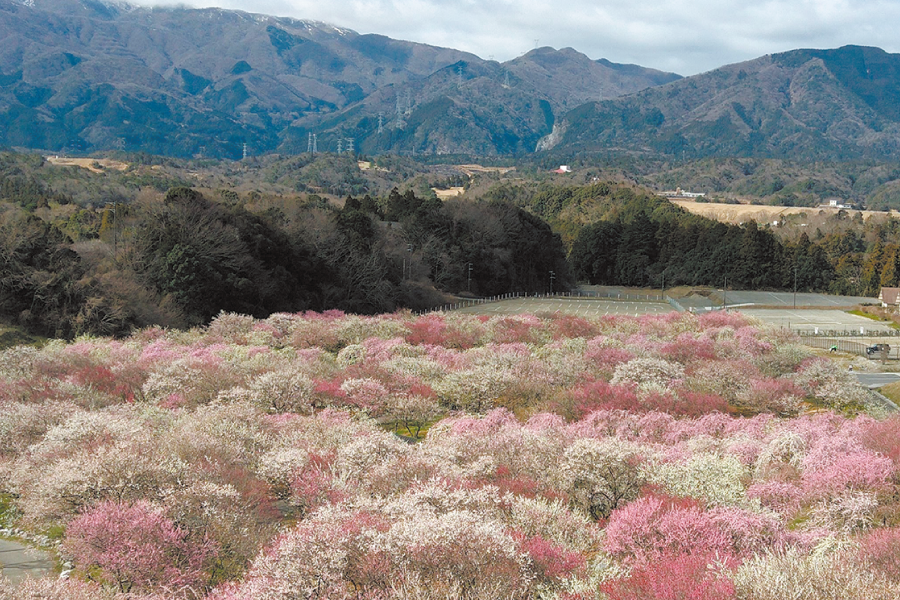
(642, 252)
(180, 259)
(617, 234)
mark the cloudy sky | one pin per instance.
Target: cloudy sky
(684, 36)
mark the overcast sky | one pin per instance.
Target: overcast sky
(683, 36)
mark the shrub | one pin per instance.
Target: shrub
(677, 576)
(136, 547)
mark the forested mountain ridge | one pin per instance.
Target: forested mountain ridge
(81, 76)
(804, 104)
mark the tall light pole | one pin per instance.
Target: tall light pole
(795, 285)
(469, 280)
(725, 295)
(552, 277)
(408, 249)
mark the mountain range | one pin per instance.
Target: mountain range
(839, 104)
(82, 76)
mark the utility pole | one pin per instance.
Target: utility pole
(469, 280)
(552, 277)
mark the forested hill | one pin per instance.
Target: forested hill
(177, 258)
(621, 234)
(82, 76)
(804, 104)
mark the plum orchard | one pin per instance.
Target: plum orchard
(653, 457)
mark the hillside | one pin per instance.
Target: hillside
(484, 107)
(805, 104)
(81, 76)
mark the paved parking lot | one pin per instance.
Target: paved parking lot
(787, 300)
(812, 319)
(584, 307)
(808, 317)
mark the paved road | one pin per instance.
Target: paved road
(19, 561)
(874, 380)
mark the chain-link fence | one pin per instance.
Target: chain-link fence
(860, 348)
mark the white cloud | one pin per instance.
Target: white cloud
(684, 36)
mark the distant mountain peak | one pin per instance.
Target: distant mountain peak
(833, 104)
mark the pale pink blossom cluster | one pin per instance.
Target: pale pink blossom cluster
(538, 457)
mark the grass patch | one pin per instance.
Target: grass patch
(413, 431)
(877, 313)
(861, 313)
(10, 336)
(8, 511)
(891, 391)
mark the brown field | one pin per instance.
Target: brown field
(741, 213)
(472, 169)
(95, 165)
(448, 193)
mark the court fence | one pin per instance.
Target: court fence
(467, 302)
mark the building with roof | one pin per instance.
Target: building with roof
(890, 297)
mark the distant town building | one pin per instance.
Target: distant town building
(890, 297)
(836, 204)
(680, 194)
(562, 169)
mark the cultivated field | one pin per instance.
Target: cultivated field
(452, 192)
(741, 213)
(95, 165)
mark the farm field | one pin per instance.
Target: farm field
(556, 457)
(741, 213)
(95, 165)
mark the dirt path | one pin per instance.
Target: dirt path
(19, 561)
